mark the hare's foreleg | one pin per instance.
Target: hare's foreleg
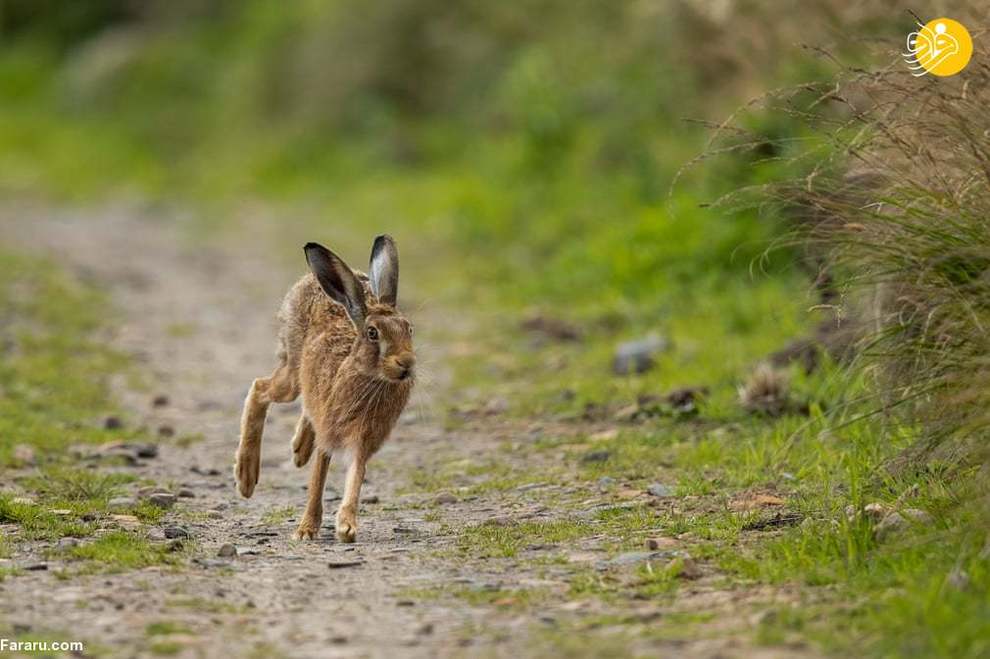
(347, 513)
(281, 387)
(303, 441)
(309, 527)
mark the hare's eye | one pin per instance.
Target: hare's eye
(410, 329)
(372, 333)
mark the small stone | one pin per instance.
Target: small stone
(36, 567)
(659, 490)
(166, 431)
(227, 551)
(67, 543)
(174, 532)
(214, 514)
(186, 493)
(112, 423)
(606, 482)
(162, 499)
(917, 516)
(627, 413)
(605, 435)
(175, 545)
(161, 400)
(122, 502)
(875, 511)
(631, 558)
(596, 456)
(340, 564)
(126, 521)
(495, 406)
(445, 498)
(637, 356)
(156, 534)
(660, 543)
(426, 629)
(25, 455)
(146, 451)
(371, 498)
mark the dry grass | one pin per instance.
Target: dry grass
(892, 213)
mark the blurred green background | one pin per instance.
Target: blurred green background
(525, 154)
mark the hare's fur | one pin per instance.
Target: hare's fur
(351, 359)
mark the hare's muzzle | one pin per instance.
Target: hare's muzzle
(400, 367)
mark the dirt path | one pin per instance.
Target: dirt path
(200, 322)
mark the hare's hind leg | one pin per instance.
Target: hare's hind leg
(281, 387)
(309, 527)
(303, 441)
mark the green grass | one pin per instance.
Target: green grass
(54, 385)
(53, 377)
(492, 540)
(123, 550)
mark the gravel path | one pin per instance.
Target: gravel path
(200, 321)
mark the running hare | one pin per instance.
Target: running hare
(346, 348)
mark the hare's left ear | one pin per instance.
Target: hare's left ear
(384, 270)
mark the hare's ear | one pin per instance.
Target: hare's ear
(338, 280)
(384, 270)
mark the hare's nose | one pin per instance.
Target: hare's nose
(405, 362)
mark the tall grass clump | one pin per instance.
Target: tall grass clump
(893, 212)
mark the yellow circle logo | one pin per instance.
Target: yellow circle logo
(943, 47)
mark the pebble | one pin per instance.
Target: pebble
(896, 522)
(227, 551)
(35, 567)
(606, 482)
(596, 456)
(186, 493)
(162, 499)
(146, 450)
(161, 400)
(25, 455)
(166, 431)
(122, 502)
(633, 557)
(637, 356)
(372, 498)
(445, 498)
(156, 534)
(112, 423)
(339, 564)
(172, 532)
(67, 543)
(660, 543)
(660, 490)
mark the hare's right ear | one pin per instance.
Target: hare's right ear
(338, 280)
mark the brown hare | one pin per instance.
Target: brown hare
(346, 348)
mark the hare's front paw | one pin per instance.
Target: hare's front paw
(307, 531)
(246, 471)
(346, 528)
